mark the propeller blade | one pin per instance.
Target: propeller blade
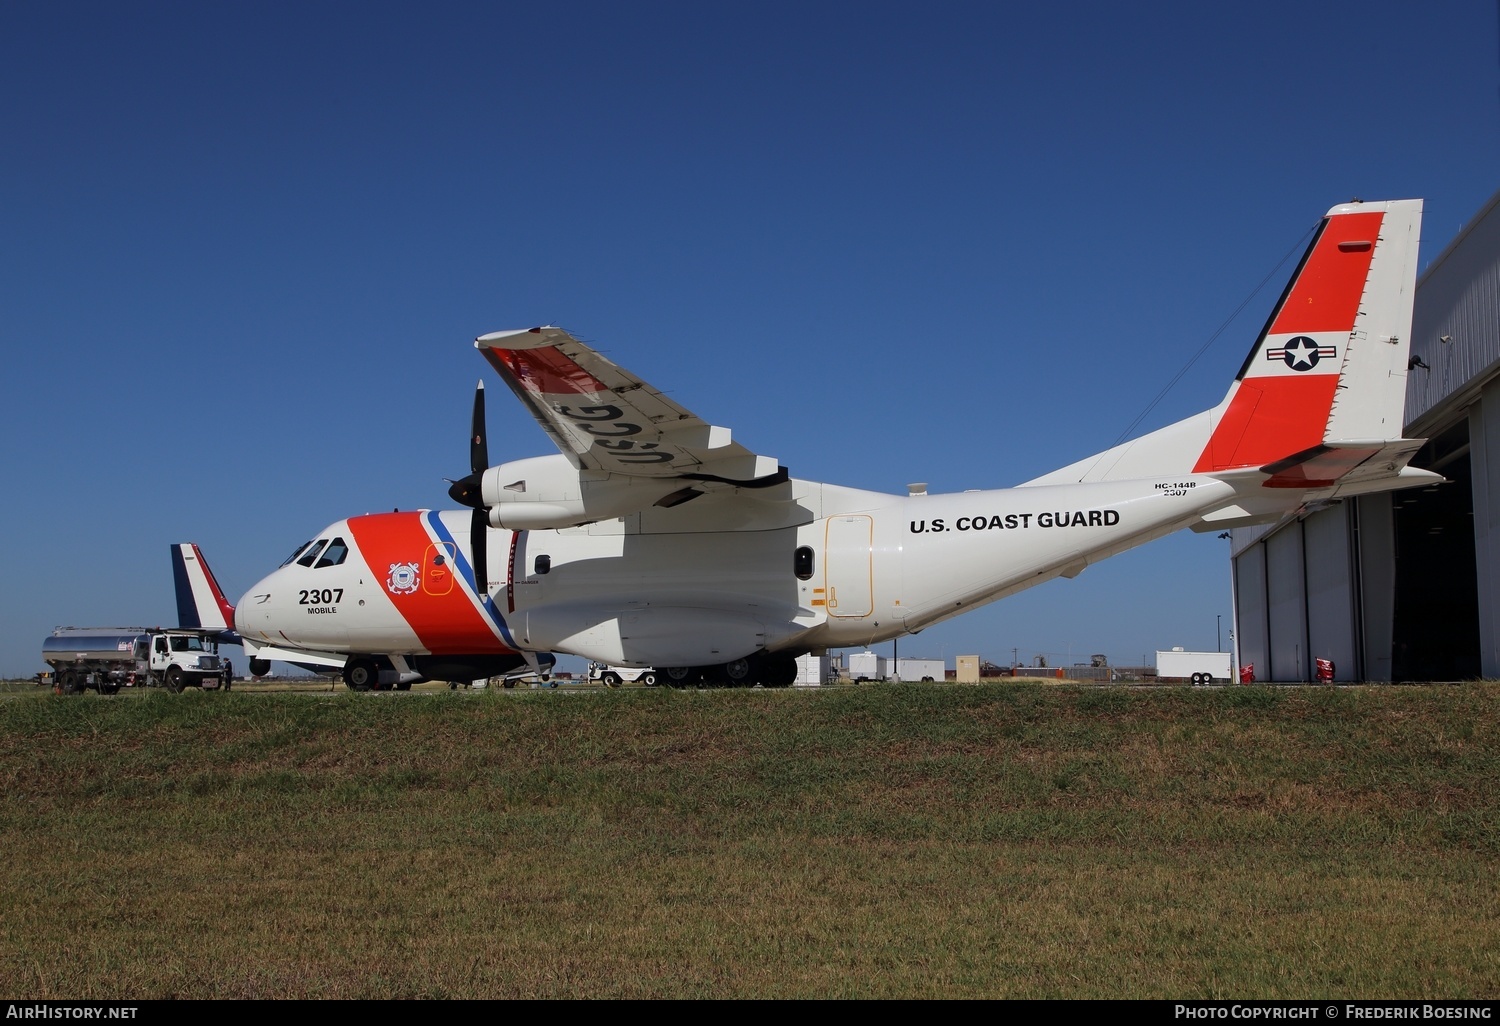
(466, 490)
(479, 449)
(479, 531)
(469, 492)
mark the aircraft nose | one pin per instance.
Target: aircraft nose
(253, 608)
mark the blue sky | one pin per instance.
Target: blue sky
(246, 248)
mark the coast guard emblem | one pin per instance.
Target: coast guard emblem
(402, 579)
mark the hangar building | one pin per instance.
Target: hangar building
(1402, 585)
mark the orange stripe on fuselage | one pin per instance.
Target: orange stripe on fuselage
(445, 622)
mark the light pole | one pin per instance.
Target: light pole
(1218, 630)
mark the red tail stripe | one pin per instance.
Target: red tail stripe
(225, 609)
(1268, 419)
(1327, 294)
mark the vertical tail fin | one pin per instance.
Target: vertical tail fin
(1325, 381)
(1330, 365)
(200, 602)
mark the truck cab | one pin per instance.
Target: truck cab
(187, 658)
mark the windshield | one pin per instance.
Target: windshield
(334, 554)
(312, 552)
(295, 553)
(181, 643)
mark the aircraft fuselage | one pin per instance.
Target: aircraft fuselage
(660, 588)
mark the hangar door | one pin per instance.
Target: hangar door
(1436, 631)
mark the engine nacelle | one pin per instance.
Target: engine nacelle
(548, 492)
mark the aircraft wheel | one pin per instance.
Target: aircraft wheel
(737, 674)
(648, 680)
(360, 675)
(260, 667)
(611, 680)
(174, 679)
(679, 676)
(777, 671)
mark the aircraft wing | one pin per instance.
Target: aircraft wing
(604, 418)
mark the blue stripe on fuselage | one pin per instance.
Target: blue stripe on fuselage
(435, 523)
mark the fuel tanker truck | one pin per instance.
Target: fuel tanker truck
(110, 658)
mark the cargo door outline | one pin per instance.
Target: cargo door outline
(848, 566)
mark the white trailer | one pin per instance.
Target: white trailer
(813, 670)
(1197, 667)
(867, 666)
(926, 670)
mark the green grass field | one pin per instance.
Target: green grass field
(888, 841)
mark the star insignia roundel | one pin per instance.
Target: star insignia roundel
(1301, 353)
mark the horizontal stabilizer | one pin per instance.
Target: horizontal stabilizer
(305, 658)
(1328, 464)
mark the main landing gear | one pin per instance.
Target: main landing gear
(363, 675)
(769, 671)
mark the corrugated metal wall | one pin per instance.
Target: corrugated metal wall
(1286, 610)
(1252, 641)
(1484, 462)
(1374, 525)
(1329, 594)
(1329, 569)
(1458, 297)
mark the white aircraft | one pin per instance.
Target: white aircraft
(654, 539)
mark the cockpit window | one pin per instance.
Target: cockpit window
(312, 552)
(295, 553)
(333, 555)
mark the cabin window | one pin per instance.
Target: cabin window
(334, 554)
(802, 562)
(543, 564)
(312, 553)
